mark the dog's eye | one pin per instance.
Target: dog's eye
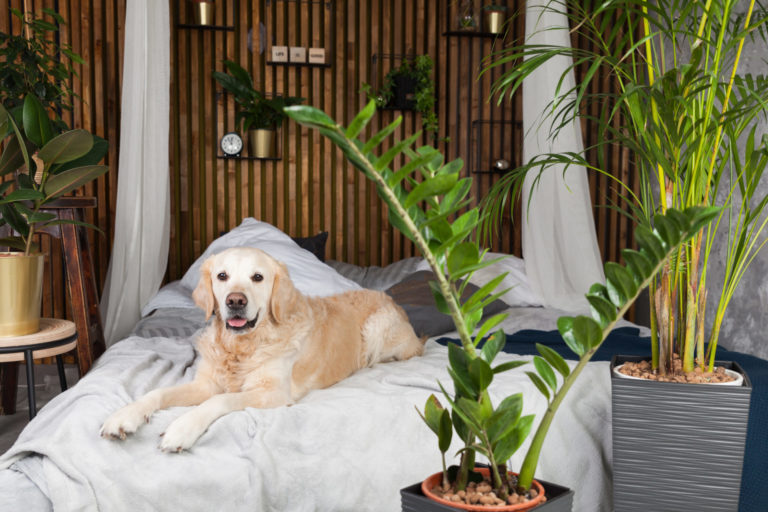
(222, 276)
(257, 277)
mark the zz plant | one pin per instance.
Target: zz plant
(429, 202)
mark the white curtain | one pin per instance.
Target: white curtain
(562, 259)
(142, 220)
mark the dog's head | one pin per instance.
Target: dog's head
(243, 286)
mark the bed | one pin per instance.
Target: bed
(349, 447)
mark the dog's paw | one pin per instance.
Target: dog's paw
(182, 433)
(124, 422)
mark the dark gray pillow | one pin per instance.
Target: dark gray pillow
(414, 295)
(314, 244)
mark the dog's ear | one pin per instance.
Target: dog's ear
(203, 293)
(284, 294)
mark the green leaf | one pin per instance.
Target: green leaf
(505, 417)
(432, 411)
(542, 387)
(431, 187)
(382, 134)
(481, 374)
(459, 365)
(511, 442)
(641, 266)
(66, 147)
(310, 116)
(554, 359)
(545, 372)
(463, 255)
(22, 194)
(649, 241)
(509, 365)
(361, 120)
(565, 327)
(489, 324)
(13, 157)
(36, 124)
(72, 179)
(493, 345)
(16, 220)
(437, 294)
(93, 157)
(445, 431)
(603, 310)
(620, 283)
(477, 413)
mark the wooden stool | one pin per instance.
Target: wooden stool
(81, 279)
(54, 338)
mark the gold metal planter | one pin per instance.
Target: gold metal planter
(21, 290)
(262, 143)
(494, 21)
(203, 12)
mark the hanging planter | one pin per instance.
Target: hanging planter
(677, 446)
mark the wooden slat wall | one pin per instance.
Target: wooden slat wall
(312, 188)
(95, 30)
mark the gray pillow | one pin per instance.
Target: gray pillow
(414, 295)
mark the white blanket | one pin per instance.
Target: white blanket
(348, 447)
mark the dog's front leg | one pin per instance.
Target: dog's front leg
(128, 419)
(182, 433)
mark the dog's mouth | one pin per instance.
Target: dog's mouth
(238, 323)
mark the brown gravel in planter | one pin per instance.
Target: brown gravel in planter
(642, 369)
(481, 494)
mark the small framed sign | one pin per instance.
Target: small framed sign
(298, 54)
(317, 55)
(279, 54)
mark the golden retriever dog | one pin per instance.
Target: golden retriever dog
(268, 345)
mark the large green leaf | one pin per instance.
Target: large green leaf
(12, 158)
(37, 126)
(494, 343)
(93, 157)
(71, 180)
(545, 372)
(66, 147)
(620, 283)
(463, 255)
(554, 359)
(22, 194)
(481, 374)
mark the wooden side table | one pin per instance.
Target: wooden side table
(54, 338)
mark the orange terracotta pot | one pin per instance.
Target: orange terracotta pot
(432, 481)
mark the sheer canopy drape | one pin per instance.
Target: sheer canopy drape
(142, 218)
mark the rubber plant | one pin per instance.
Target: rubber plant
(45, 166)
(687, 118)
(428, 201)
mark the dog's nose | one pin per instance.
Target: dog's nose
(236, 301)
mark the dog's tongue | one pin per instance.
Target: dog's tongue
(237, 322)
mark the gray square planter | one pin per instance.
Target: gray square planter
(559, 499)
(677, 447)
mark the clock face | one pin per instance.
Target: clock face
(231, 144)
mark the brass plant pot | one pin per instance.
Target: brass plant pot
(21, 292)
(494, 22)
(262, 143)
(203, 13)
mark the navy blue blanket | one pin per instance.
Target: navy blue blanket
(625, 341)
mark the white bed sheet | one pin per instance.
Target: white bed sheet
(348, 447)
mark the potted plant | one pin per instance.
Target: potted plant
(41, 160)
(687, 118)
(466, 19)
(494, 17)
(495, 431)
(409, 87)
(260, 116)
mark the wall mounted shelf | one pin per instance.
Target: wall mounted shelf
(272, 158)
(472, 33)
(299, 64)
(206, 27)
(498, 144)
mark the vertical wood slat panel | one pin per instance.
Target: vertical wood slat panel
(313, 187)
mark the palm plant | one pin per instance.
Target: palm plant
(428, 202)
(688, 119)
